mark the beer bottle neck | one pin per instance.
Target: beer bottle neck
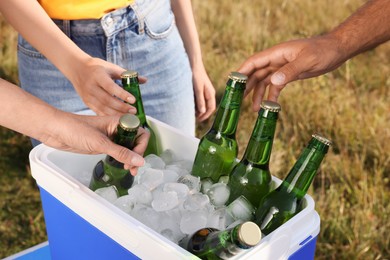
(259, 147)
(226, 119)
(304, 170)
(124, 138)
(132, 86)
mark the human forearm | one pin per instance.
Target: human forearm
(91, 77)
(186, 25)
(203, 88)
(35, 25)
(23, 112)
(368, 27)
(31, 116)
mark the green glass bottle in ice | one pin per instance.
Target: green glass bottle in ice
(210, 243)
(218, 148)
(284, 202)
(130, 83)
(251, 177)
(109, 171)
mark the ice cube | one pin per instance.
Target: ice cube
(218, 193)
(143, 168)
(168, 156)
(196, 202)
(183, 164)
(241, 208)
(166, 201)
(169, 227)
(125, 203)
(140, 194)
(192, 182)
(170, 176)
(155, 161)
(206, 184)
(228, 218)
(109, 193)
(178, 169)
(181, 189)
(147, 216)
(151, 178)
(193, 221)
(217, 219)
(235, 223)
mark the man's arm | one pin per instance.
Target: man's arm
(367, 28)
(273, 68)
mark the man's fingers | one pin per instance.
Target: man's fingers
(288, 72)
(254, 63)
(257, 77)
(274, 92)
(258, 93)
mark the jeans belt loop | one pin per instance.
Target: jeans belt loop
(140, 18)
(66, 24)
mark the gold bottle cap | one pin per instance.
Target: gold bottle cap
(271, 106)
(129, 122)
(322, 139)
(239, 77)
(129, 74)
(249, 233)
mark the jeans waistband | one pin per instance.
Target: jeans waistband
(112, 22)
(109, 24)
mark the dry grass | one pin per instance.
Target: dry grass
(350, 105)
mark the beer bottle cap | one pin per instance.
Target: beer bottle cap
(129, 74)
(249, 233)
(271, 106)
(322, 139)
(129, 122)
(239, 77)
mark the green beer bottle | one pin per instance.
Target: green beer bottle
(218, 148)
(210, 243)
(284, 202)
(251, 176)
(131, 84)
(109, 171)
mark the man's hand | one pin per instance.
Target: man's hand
(273, 68)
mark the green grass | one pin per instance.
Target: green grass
(349, 105)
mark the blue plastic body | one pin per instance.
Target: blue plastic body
(72, 237)
(306, 251)
(90, 243)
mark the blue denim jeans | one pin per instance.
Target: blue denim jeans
(141, 37)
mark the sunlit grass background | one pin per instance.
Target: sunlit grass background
(350, 105)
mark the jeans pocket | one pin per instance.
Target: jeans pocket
(160, 21)
(27, 49)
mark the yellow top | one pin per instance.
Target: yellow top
(81, 9)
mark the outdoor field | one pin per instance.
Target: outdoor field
(350, 105)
